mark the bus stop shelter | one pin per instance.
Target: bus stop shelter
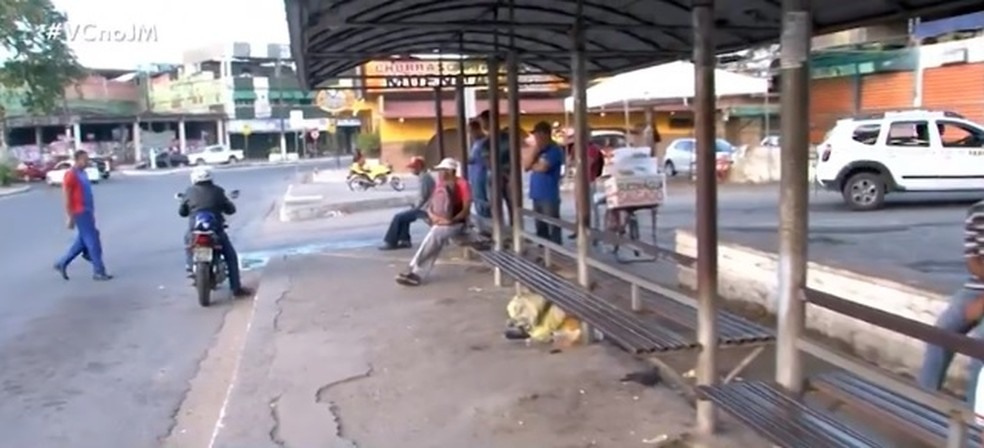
(582, 39)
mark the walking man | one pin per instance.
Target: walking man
(964, 311)
(544, 164)
(398, 235)
(80, 208)
(448, 212)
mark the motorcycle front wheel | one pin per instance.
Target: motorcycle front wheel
(396, 183)
(203, 283)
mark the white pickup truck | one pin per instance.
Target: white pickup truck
(216, 155)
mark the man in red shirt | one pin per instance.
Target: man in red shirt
(448, 212)
(596, 164)
(80, 208)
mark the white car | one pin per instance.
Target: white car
(216, 155)
(864, 158)
(56, 176)
(681, 156)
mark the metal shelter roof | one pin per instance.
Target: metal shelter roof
(329, 37)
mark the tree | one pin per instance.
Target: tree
(37, 63)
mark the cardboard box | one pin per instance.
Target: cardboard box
(634, 191)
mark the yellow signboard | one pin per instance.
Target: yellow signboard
(198, 93)
(338, 101)
(426, 75)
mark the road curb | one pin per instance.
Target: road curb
(15, 190)
(303, 208)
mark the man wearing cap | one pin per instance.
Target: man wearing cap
(544, 164)
(398, 235)
(448, 212)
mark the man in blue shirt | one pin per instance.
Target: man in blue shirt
(544, 164)
(478, 169)
(501, 159)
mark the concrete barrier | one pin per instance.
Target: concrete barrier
(302, 208)
(749, 276)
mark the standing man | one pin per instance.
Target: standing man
(596, 164)
(448, 212)
(478, 169)
(398, 235)
(544, 164)
(80, 208)
(502, 158)
(964, 311)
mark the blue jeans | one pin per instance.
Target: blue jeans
(937, 359)
(399, 228)
(229, 255)
(86, 244)
(480, 195)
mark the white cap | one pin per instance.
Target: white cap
(447, 164)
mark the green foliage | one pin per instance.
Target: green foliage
(37, 63)
(7, 174)
(369, 144)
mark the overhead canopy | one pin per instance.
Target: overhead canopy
(674, 80)
(329, 37)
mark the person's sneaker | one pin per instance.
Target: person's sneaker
(242, 292)
(61, 270)
(102, 277)
(404, 245)
(387, 246)
(408, 279)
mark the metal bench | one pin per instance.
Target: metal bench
(915, 419)
(622, 327)
(781, 418)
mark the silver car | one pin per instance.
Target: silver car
(681, 157)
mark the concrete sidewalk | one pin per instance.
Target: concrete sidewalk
(338, 355)
(307, 201)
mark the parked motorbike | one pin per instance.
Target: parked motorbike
(209, 269)
(363, 179)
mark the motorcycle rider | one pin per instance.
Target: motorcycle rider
(204, 196)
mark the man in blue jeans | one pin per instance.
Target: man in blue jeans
(544, 164)
(398, 234)
(963, 313)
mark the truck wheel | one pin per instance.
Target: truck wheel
(864, 191)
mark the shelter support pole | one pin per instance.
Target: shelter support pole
(707, 235)
(515, 153)
(579, 85)
(793, 189)
(650, 134)
(439, 121)
(496, 176)
(459, 102)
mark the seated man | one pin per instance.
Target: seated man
(448, 212)
(398, 235)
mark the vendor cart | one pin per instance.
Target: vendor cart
(627, 222)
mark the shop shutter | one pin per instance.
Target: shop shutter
(830, 100)
(957, 88)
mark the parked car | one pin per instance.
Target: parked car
(867, 157)
(103, 165)
(56, 176)
(31, 171)
(682, 158)
(170, 159)
(216, 155)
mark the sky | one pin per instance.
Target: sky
(180, 25)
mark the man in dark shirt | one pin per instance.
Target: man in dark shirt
(544, 164)
(204, 196)
(398, 234)
(964, 311)
(501, 159)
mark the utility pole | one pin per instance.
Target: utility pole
(280, 103)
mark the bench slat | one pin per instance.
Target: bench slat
(782, 419)
(620, 326)
(918, 420)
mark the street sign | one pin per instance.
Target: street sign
(297, 119)
(315, 134)
(331, 126)
(247, 130)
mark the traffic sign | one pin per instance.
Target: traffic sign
(247, 130)
(331, 126)
(315, 134)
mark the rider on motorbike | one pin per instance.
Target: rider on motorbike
(204, 196)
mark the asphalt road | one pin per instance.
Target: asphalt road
(88, 364)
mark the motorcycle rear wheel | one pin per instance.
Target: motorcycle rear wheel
(203, 283)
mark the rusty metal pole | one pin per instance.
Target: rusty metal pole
(579, 87)
(793, 189)
(707, 235)
(459, 100)
(515, 152)
(495, 173)
(439, 122)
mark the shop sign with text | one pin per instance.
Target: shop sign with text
(425, 75)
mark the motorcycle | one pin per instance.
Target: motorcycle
(362, 179)
(209, 270)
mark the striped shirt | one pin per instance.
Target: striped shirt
(974, 240)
